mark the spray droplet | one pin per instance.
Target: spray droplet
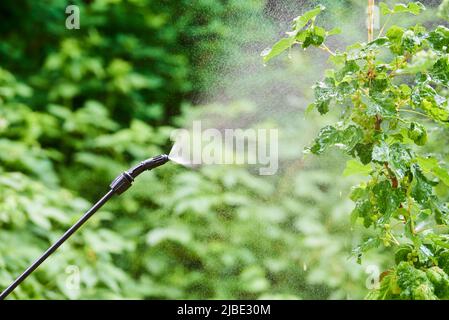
(265, 52)
(304, 266)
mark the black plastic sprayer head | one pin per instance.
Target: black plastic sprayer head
(118, 186)
(125, 180)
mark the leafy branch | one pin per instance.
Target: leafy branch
(387, 107)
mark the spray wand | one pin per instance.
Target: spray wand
(120, 184)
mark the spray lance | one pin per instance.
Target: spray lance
(120, 184)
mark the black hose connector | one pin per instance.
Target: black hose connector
(125, 180)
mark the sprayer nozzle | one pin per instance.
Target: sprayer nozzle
(155, 162)
(125, 180)
(148, 164)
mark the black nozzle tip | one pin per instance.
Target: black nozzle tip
(148, 164)
(157, 161)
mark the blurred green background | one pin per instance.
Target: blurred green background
(77, 107)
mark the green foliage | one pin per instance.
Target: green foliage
(78, 107)
(411, 7)
(134, 57)
(444, 10)
(409, 282)
(305, 32)
(392, 92)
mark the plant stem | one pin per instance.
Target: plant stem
(384, 26)
(371, 4)
(326, 48)
(394, 239)
(416, 112)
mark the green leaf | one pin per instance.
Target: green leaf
(384, 9)
(411, 7)
(310, 108)
(414, 8)
(394, 35)
(327, 137)
(439, 38)
(330, 136)
(424, 96)
(441, 174)
(368, 244)
(364, 152)
(381, 153)
(377, 43)
(350, 68)
(440, 71)
(397, 156)
(378, 107)
(355, 167)
(411, 41)
(413, 283)
(431, 165)
(350, 137)
(402, 253)
(315, 36)
(421, 63)
(388, 199)
(277, 49)
(333, 32)
(302, 21)
(325, 91)
(422, 188)
(417, 133)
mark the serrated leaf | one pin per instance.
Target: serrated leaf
(313, 37)
(417, 133)
(364, 152)
(422, 188)
(414, 8)
(440, 71)
(397, 156)
(329, 136)
(350, 67)
(388, 199)
(394, 35)
(378, 107)
(439, 38)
